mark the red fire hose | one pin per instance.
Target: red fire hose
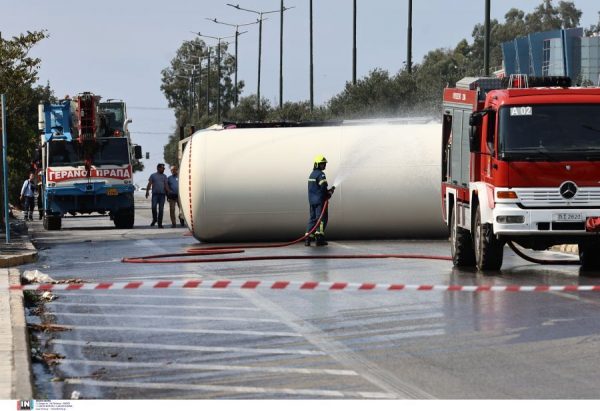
(218, 250)
(185, 257)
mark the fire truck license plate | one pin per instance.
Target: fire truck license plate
(112, 192)
(568, 217)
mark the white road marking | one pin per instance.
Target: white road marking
(181, 330)
(174, 317)
(211, 367)
(179, 307)
(147, 296)
(231, 389)
(158, 277)
(340, 352)
(171, 347)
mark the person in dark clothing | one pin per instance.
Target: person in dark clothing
(318, 193)
(160, 188)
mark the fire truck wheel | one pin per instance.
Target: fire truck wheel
(124, 218)
(52, 223)
(461, 245)
(589, 256)
(488, 249)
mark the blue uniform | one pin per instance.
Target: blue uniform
(317, 195)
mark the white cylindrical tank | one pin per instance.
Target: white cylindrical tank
(250, 184)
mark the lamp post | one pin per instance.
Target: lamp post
(312, 95)
(354, 44)
(237, 34)
(194, 83)
(260, 20)
(486, 40)
(409, 39)
(218, 71)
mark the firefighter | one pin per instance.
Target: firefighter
(318, 193)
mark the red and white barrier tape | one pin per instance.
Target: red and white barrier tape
(297, 285)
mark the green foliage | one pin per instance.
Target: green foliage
(247, 110)
(193, 92)
(297, 112)
(18, 73)
(594, 29)
(170, 150)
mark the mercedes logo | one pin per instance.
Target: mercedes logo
(568, 189)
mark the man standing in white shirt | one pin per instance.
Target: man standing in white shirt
(27, 196)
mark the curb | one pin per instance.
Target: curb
(27, 254)
(21, 373)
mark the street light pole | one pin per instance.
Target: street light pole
(208, 86)
(260, 20)
(259, 59)
(4, 167)
(486, 42)
(281, 10)
(237, 34)
(218, 71)
(312, 100)
(409, 39)
(354, 45)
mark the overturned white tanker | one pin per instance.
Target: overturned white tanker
(242, 183)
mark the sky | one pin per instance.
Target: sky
(117, 48)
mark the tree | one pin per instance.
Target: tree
(547, 17)
(297, 112)
(192, 89)
(246, 110)
(171, 149)
(594, 29)
(376, 95)
(18, 73)
(544, 17)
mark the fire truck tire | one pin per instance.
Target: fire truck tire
(461, 245)
(489, 250)
(52, 223)
(124, 218)
(589, 256)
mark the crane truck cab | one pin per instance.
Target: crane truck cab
(520, 163)
(86, 160)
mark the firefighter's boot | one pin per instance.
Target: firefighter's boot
(321, 240)
(308, 241)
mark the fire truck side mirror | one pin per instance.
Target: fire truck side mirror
(475, 119)
(474, 143)
(137, 150)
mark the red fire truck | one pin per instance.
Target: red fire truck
(520, 163)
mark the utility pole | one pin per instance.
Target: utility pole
(260, 21)
(208, 86)
(486, 45)
(354, 45)
(237, 34)
(312, 99)
(218, 71)
(281, 9)
(5, 167)
(409, 40)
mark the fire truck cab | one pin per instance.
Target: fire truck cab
(520, 163)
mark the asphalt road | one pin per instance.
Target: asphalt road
(180, 344)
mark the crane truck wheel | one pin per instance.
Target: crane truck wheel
(461, 245)
(124, 218)
(52, 223)
(589, 255)
(488, 249)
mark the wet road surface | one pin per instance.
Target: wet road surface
(232, 343)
